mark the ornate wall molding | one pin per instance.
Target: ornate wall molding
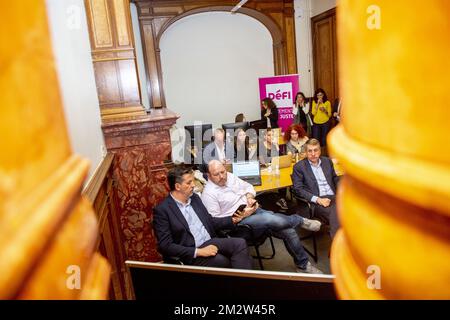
(156, 16)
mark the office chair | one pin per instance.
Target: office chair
(247, 232)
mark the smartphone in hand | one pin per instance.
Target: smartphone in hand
(241, 208)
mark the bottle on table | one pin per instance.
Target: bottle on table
(277, 171)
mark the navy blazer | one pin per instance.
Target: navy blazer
(210, 151)
(304, 181)
(172, 230)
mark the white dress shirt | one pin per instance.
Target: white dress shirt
(196, 226)
(220, 152)
(224, 201)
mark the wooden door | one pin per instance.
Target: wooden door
(325, 53)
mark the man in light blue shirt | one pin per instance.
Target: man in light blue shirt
(315, 180)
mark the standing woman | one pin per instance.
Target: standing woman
(301, 113)
(269, 112)
(321, 110)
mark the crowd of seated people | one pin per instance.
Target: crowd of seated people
(186, 225)
(187, 221)
(314, 117)
(201, 202)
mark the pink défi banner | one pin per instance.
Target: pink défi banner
(282, 90)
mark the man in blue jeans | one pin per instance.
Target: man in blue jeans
(224, 193)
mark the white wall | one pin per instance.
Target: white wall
(70, 37)
(304, 46)
(211, 63)
(210, 74)
(319, 6)
(139, 56)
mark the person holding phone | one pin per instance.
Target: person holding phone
(321, 110)
(301, 113)
(226, 195)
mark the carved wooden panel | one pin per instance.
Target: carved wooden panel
(325, 53)
(108, 87)
(291, 49)
(114, 58)
(124, 33)
(102, 30)
(156, 16)
(128, 82)
(100, 191)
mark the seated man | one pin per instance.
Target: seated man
(315, 180)
(224, 193)
(219, 149)
(184, 228)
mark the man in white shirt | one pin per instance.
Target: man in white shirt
(315, 180)
(224, 193)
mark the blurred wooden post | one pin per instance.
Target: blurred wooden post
(48, 231)
(394, 203)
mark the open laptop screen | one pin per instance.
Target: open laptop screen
(246, 169)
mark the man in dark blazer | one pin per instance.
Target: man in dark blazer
(186, 230)
(316, 181)
(221, 148)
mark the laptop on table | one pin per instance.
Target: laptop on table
(282, 161)
(248, 171)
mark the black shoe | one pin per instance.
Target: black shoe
(282, 204)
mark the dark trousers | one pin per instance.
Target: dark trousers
(320, 131)
(329, 214)
(233, 253)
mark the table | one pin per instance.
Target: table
(271, 182)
